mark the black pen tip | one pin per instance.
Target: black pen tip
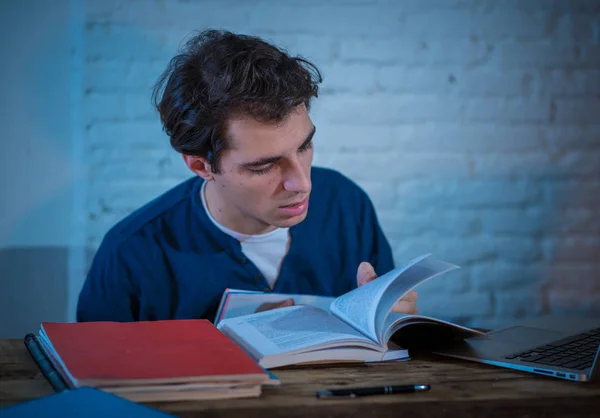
(323, 394)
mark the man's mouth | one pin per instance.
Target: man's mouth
(296, 208)
(294, 204)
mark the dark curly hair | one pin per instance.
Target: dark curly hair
(219, 75)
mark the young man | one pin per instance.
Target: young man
(255, 215)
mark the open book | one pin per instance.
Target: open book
(358, 326)
(239, 302)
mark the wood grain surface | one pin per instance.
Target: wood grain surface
(458, 389)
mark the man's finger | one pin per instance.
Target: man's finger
(267, 306)
(365, 273)
(405, 307)
(411, 296)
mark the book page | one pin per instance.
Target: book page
(243, 302)
(290, 329)
(396, 321)
(359, 306)
(424, 270)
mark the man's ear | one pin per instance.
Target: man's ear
(199, 165)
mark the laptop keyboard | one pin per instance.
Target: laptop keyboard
(575, 352)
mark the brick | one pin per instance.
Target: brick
(122, 76)
(570, 82)
(540, 55)
(494, 83)
(578, 110)
(531, 166)
(508, 110)
(512, 25)
(442, 24)
(540, 5)
(319, 49)
(539, 165)
(399, 79)
(401, 166)
(572, 221)
(461, 82)
(340, 78)
(572, 248)
(515, 304)
(573, 301)
(192, 15)
(108, 42)
(117, 196)
(452, 249)
(115, 106)
(399, 224)
(325, 19)
(102, 10)
(466, 223)
(516, 249)
(504, 277)
(561, 278)
(136, 158)
(487, 138)
(386, 109)
(133, 169)
(437, 24)
(583, 6)
(114, 134)
(129, 150)
(455, 308)
(578, 163)
(420, 5)
(569, 137)
(573, 194)
(577, 27)
(381, 193)
(348, 138)
(467, 194)
(402, 51)
(591, 53)
(512, 221)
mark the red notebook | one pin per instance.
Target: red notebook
(154, 352)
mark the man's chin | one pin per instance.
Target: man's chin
(288, 222)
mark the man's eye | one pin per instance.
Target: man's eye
(306, 146)
(264, 170)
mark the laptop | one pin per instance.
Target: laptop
(562, 347)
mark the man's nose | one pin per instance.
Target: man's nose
(296, 178)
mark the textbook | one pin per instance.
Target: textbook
(147, 361)
(357, 327)
(239, 302)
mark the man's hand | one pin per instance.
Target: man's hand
(406, 305)
(267, 306)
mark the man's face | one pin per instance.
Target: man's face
(264, 179)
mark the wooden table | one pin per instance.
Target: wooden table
(458, 389)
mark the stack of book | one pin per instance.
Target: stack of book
(147, 361)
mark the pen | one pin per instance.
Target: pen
(368, 391)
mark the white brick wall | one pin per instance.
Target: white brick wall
(473, 124)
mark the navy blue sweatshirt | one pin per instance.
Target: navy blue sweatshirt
(167, 260)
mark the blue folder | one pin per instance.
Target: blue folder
(83, 402)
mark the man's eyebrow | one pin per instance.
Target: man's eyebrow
(269, 160)
(309, 137)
